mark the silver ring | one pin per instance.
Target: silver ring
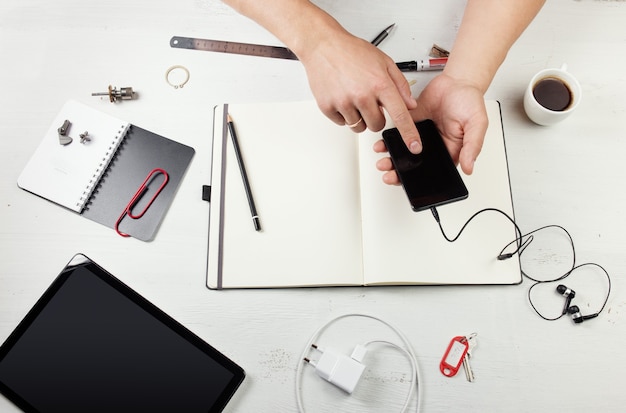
(356, 123)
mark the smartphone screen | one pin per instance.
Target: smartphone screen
(429, 178)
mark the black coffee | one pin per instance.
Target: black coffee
(552, 94)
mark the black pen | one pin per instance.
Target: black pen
(383, 35)
(244, 175)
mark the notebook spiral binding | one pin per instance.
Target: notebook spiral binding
(103, 177)
(102, 166)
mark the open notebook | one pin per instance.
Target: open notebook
(329, 220)
(98, 178)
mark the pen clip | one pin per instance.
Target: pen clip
(143, 188)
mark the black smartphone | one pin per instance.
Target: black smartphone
(431, 177)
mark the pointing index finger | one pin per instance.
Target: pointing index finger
(403, 120)
(398, 101)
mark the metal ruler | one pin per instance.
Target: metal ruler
(232, 47)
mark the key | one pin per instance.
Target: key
(471, 343)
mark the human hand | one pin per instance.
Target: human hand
(458, 110)
(353, 81)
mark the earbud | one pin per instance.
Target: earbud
(573, 310)
(577, 316)
(568, 293)
(565, 292)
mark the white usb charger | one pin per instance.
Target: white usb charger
(339, 369)
(345, 371)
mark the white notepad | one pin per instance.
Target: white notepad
(68, 174)
(329, 220)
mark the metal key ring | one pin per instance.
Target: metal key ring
(167, 76)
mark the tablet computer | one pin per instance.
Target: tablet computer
(92, 344)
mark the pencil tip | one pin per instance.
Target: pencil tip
(228, 118)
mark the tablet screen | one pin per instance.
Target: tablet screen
(92, 344)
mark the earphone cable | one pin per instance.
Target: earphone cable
(522, 241)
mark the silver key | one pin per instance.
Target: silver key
(471, 343)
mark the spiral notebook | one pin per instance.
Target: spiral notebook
(99, 177)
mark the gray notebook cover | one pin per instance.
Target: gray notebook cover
(140, 152)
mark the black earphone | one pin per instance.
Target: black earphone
(577, 316)
(568, 293)
(521, 242)
(573, 310)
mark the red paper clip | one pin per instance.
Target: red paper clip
(453, 357)
(135, 199)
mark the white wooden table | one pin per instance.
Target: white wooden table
(570, 174)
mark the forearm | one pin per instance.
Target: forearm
(299, 24)
(488, 30)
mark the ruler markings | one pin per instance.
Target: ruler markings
(221, 46)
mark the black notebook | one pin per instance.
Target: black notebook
(92, 344)
(98, 175)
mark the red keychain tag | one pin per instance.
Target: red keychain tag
(453, 357)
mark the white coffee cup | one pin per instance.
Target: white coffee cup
(545, 102)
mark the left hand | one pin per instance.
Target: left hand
(458, 110)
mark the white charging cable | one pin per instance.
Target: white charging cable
(344, 371)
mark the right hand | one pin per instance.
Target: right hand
(353, 81)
